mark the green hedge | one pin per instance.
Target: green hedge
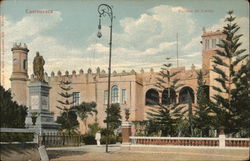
(88, 139)
(16, 137)
(112, 139)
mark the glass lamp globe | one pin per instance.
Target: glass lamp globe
(99, 34)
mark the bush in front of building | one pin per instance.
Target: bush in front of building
(119, 138)
(12, 115)
(88, 139)
(112, 139)
(16, 137)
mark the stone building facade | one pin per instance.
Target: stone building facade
(129, 89)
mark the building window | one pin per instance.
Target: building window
(123, 96)
(114, 93)
(207, 44)
(106, 97)
(213, 43)
(25, 64)
(220, 41)
(76, 98)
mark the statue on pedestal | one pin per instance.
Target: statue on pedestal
(38, 64)
(39, 115)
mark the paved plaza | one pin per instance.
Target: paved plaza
(94, 153)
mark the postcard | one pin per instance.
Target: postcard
(135, 78)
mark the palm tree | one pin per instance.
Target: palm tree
(84, 110)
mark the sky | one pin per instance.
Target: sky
(144, 32)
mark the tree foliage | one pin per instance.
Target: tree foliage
(202, 119)
(84, 110)
(241, 98)
(68, 121)
(114, 117)
(12, 114)
(232, 96)
(66, 101)
(68, 118)
(165, 117)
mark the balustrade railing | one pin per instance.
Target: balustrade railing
(48, 139)
(55, 140)
(191, 141)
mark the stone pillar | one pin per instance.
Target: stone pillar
(222, 139)
(39, 104)
(126, 132)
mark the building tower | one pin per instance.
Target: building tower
(19, 76)
(210, 39)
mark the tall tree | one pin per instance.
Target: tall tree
(202, 119)
(84, 110)
(166, 116)
(227, 64)
(241, 98)
(68, 117)
(12, 114)
(114, 116)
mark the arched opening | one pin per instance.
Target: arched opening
(152, 97)
(168, 96)
(186, 95)
(114, 94)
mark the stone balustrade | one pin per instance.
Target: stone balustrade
(191, 141)
(237, 142)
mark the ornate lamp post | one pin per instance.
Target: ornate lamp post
(103, 10)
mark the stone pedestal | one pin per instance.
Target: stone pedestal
(39, 105)
(126, 132)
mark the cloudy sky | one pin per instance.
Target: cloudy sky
(144, 32)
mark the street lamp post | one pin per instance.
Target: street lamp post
(103, 10)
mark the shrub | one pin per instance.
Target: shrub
(89, 139)
(112, 139)
(119, 139)
(104, 132)
(16, 137)
(93, 128)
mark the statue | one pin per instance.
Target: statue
(38, 70)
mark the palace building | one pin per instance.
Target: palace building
(130, 89)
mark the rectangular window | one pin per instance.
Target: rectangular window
(76, 98)
(114, 94)
(123, 96)
(213, 43)
(207, 44)
(106, 97)
(220, 41)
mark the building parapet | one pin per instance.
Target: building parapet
(20, 47)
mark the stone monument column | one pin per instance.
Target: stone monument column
(39, 115)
